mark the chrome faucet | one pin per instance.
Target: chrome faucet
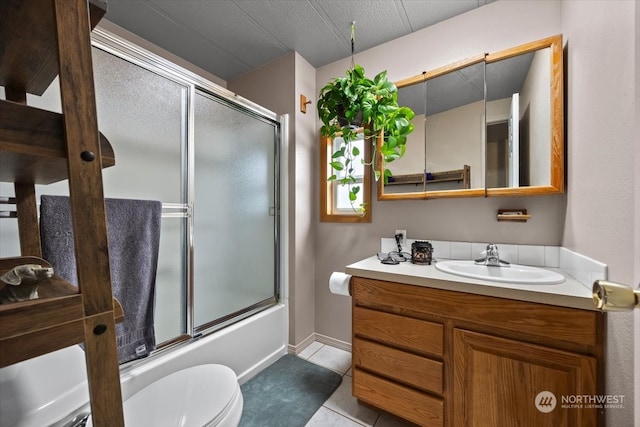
(492, 257)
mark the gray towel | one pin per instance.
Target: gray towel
(133, 232)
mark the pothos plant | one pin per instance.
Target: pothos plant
(354, 101)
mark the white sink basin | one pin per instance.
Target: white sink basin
(510, 274)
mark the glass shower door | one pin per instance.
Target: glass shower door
(142, 113)
(234, 211)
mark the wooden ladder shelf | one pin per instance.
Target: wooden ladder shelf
(42, 39)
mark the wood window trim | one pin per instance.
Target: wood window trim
(327, 211)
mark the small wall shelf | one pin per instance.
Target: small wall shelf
(513, 215)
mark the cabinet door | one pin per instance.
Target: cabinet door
(502, 382)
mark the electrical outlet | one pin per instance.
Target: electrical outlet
(403, 240)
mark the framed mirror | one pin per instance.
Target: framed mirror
(488, 125)
(525, 119)
(445, 153)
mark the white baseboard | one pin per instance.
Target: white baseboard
(333, 342)
(297, 349)
(322, 339)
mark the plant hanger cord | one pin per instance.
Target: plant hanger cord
(349, 152)
(353, 44)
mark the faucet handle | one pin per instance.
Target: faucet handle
(492, 249)
(491, 257)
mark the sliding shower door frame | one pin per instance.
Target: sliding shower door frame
(194, 83)
(235, 316)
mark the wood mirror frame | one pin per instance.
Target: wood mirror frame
(556, 179)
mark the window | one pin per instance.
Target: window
(335, 203)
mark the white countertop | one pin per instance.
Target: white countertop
(571, 293)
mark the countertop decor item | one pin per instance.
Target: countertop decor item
(421, 252)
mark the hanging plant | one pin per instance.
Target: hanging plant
(354, 101)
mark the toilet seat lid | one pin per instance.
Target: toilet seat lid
(190, 397)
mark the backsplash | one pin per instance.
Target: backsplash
(583, 269)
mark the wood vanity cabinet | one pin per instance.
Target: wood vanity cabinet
(445, 358)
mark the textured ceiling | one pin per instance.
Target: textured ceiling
(230, 37)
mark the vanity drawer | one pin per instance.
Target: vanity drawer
(408, 368)
(413, 405)
(406, 332)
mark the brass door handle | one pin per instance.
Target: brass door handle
(610, 296)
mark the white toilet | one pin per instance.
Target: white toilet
(51, 390)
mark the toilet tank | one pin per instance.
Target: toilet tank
(43, 390)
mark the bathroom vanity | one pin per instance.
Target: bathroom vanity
(442, 350)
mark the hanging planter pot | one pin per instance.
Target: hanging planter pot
(343, 121)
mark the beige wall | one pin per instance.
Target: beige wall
(601, 198)
(307, 202)
(637, 221)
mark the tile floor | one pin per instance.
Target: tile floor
(342, 409)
